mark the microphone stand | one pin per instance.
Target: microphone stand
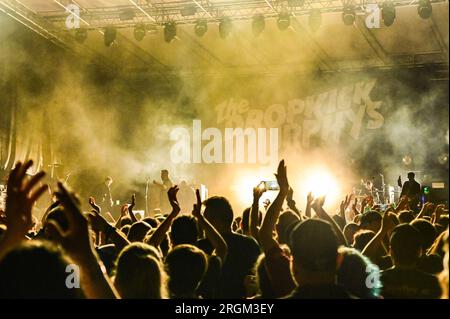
(383, 187)
(146, 196)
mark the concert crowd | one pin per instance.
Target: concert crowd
(207, 250)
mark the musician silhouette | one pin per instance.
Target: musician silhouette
(411, 189)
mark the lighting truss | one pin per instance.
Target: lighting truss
(159, 11)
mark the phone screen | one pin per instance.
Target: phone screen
(271, 186)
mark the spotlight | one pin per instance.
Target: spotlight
(407, 160)
(443, 158)
(348, 16)
(110, 35)
(139, 32)
(170, 31)
(424, 9)
(80, 35)
(296, 3)
(258, 24)
(284, 21)
(225, 27)
(201, 26)
(315, 19)
(388, 13)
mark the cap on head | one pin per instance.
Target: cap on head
(314, 245)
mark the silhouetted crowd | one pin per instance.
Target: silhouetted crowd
(365, 250)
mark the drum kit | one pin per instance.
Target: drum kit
(384, 194)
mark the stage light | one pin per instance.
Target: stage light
(201, 26)
(110, 35)
(315, 20)
(348, 16)
(225, 26)
(426, 190)
(284, 21)
(296, 3)
(320, 182)
(407, 160)
(443, 159)
(139, 32)
(81, 35)
(243, 183)
(388, 13)
(170, 31)
(258, 24)
(189, 10)
(424, 9)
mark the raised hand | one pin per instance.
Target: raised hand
(345, 203)
(172, 195)
(402, 203)
(133, 201)
(97, 222)
(77, 239)
(94, 205)
(317, 205)
(77, 242)
(439, 210)
(309, 199)
(197, 209)
(388, 222)
(281, 176)
(20, 199)
(124, 210)
(258, 191)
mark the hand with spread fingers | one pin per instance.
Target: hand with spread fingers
(77, 239)
(77, 242)
(20, 198)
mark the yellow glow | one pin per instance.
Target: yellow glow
(243, 188)
(321, 182)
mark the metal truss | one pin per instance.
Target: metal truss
(189, 11)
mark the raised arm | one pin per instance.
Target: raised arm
(77, 242)
(254, 211)
(20, 199)
(402, 204)
(130, 209)
(426, 209)
(355, 210)
(373, 247)
(99, 224)
(291, 203)
(343, 206)
(309, 201)
(322, 214)
(160, 232)
(217, 241)
(266, 238)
